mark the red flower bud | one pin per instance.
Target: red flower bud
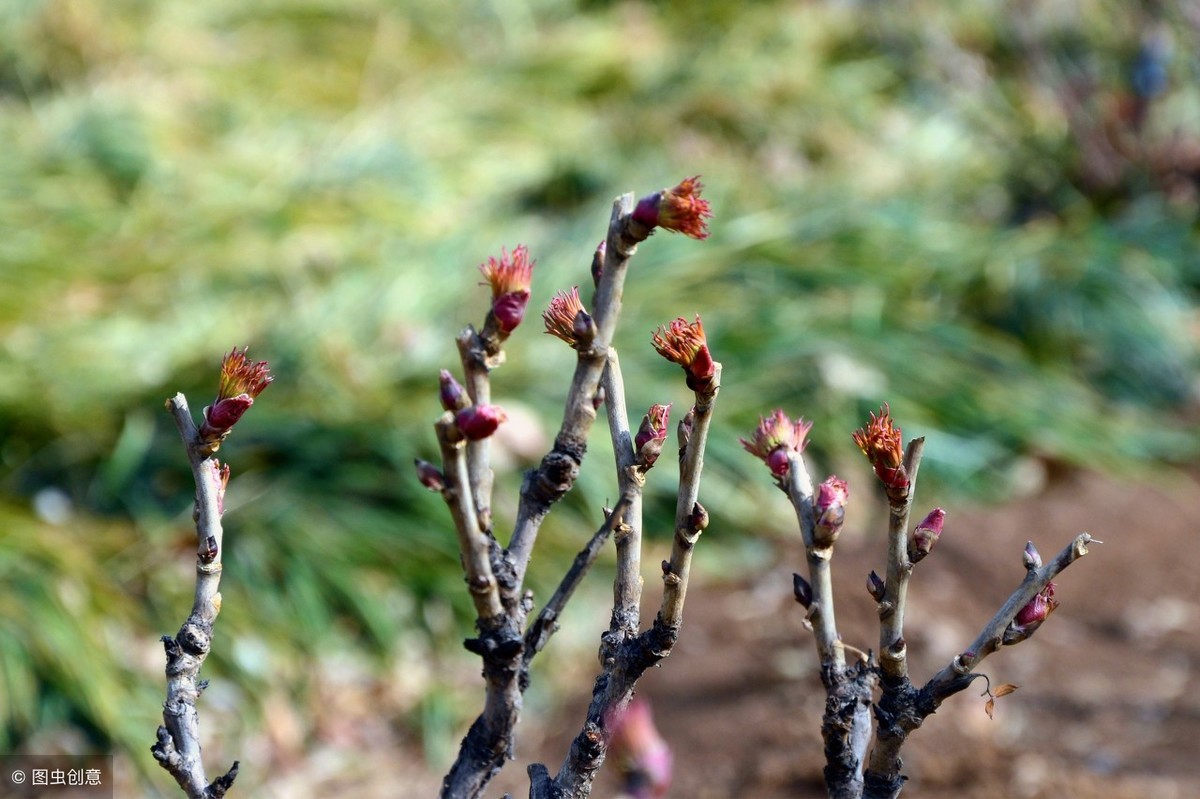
(1030, 617)
(684, 343)
(829, 510)
(881, 442)
(648, 442)
(479, 421)
(926, 535)
(567, 319)
(510, 277)
(776, 438)
(678, 209)
(241, 381)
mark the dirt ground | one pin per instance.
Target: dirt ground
(1107, 705)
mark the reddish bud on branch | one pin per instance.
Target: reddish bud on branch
(679, 209)
(566, 319)
(651, 435)
(451, 393)
(776, 438)
(430, 476)
(684, 343)
(1030, 617)
(477, 422)
(881, 442)
(829, 510)
(926, 535)
(241, 381)
(510, 277)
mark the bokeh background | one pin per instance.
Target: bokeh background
(982, 212)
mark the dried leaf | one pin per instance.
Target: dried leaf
(1004, 690)
(989, 706)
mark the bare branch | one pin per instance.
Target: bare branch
(477, 363)
(473, 543)
(893, 652)
(821, 609)
(556, 475)
(178, 741)
(627, 587)
(904, 708)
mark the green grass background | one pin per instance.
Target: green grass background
(948, 207)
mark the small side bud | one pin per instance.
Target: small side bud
(698, 520)
(1032, 558)
(451, 393)
(875, 586)
(829, 510)
(926, 535)
(430, 476)
(802, 590)
(566, 319)
(598, 262)
(683, 432)
(648, 442)
(477, 422)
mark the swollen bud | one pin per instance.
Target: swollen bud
(477, 422)
(829, 510)
(698, 520)
(430, 476)
(451, 393)
(648, 442)
(926, 535)
(1030, 617)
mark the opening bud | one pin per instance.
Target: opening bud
(679, 209)
(776, 439)
(651, 435)
(829, 510)
(684, 343)
(881, 442)
(510, 277)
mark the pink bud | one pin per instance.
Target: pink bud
(224, 414)
(1030, 617)
(829, 510)
(648, 442)
(509, 310)
(452, 394)
(430, 476)
(678, 209)
(776, 438)
(477, 422)
(926, 535)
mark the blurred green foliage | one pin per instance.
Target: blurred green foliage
(983, 214)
